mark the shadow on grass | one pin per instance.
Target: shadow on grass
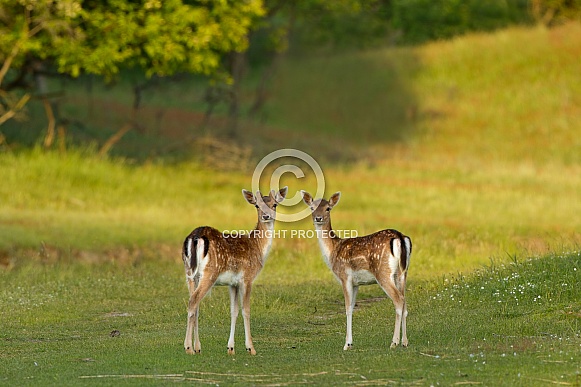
(333, 107)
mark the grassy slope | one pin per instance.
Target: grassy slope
(512, 96)
(492, 165)
(509, 96)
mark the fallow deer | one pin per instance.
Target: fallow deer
(215, 258)
(382, 258)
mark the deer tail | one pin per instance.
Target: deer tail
(194, 250)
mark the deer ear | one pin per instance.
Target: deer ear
(281, 194)
(334, 199)
(307, 198)
(249, 197)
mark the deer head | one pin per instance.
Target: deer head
(266, 205)
(321, 208)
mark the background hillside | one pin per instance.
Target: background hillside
(471, 145)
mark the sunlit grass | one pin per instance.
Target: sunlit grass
(458, 217)
(512, 95)
(517, 321)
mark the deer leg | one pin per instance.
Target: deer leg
(196, 297)
(350, 293)
(404, 337)
(192, 285)
(399, 303)
(234, 316)
(245, 297)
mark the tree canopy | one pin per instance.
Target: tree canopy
(100, 37)
(103, 36)
(165, 37)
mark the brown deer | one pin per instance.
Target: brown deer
(382, 258)
(215, 258)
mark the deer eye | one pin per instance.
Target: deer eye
(328, 208)
(274, 205)
(256, 205)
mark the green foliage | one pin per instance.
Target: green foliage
(343, 24)
(100, 37)
(422, 20)
(38, 29)
(162, 38)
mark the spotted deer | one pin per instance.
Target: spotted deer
(382, 258)
(212, 258)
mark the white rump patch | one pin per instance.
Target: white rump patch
(394, 257)
(200, 248)
(189, 248)
(201, 261)
(408, 247)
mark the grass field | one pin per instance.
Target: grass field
(485, 172)
(512, 325)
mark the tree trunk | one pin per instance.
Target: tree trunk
(237, 62)
(49, 138)
(261, 94)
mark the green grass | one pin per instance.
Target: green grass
(457, 217)
(499, 99)
(519, 323)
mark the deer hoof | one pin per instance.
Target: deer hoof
(251, 351)
(348, 347)
(231, 351)
(189, 351)
(393, 345)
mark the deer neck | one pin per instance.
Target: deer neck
(327, 241)
(263, 235)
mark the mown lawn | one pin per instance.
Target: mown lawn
(111, 324)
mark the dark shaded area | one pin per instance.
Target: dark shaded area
(419, 21)
(334, 107)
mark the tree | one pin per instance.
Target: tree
(28, 31)
(102, 37)
(422, 20)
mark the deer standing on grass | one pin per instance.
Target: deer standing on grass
(214, 258)
(382, 258)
